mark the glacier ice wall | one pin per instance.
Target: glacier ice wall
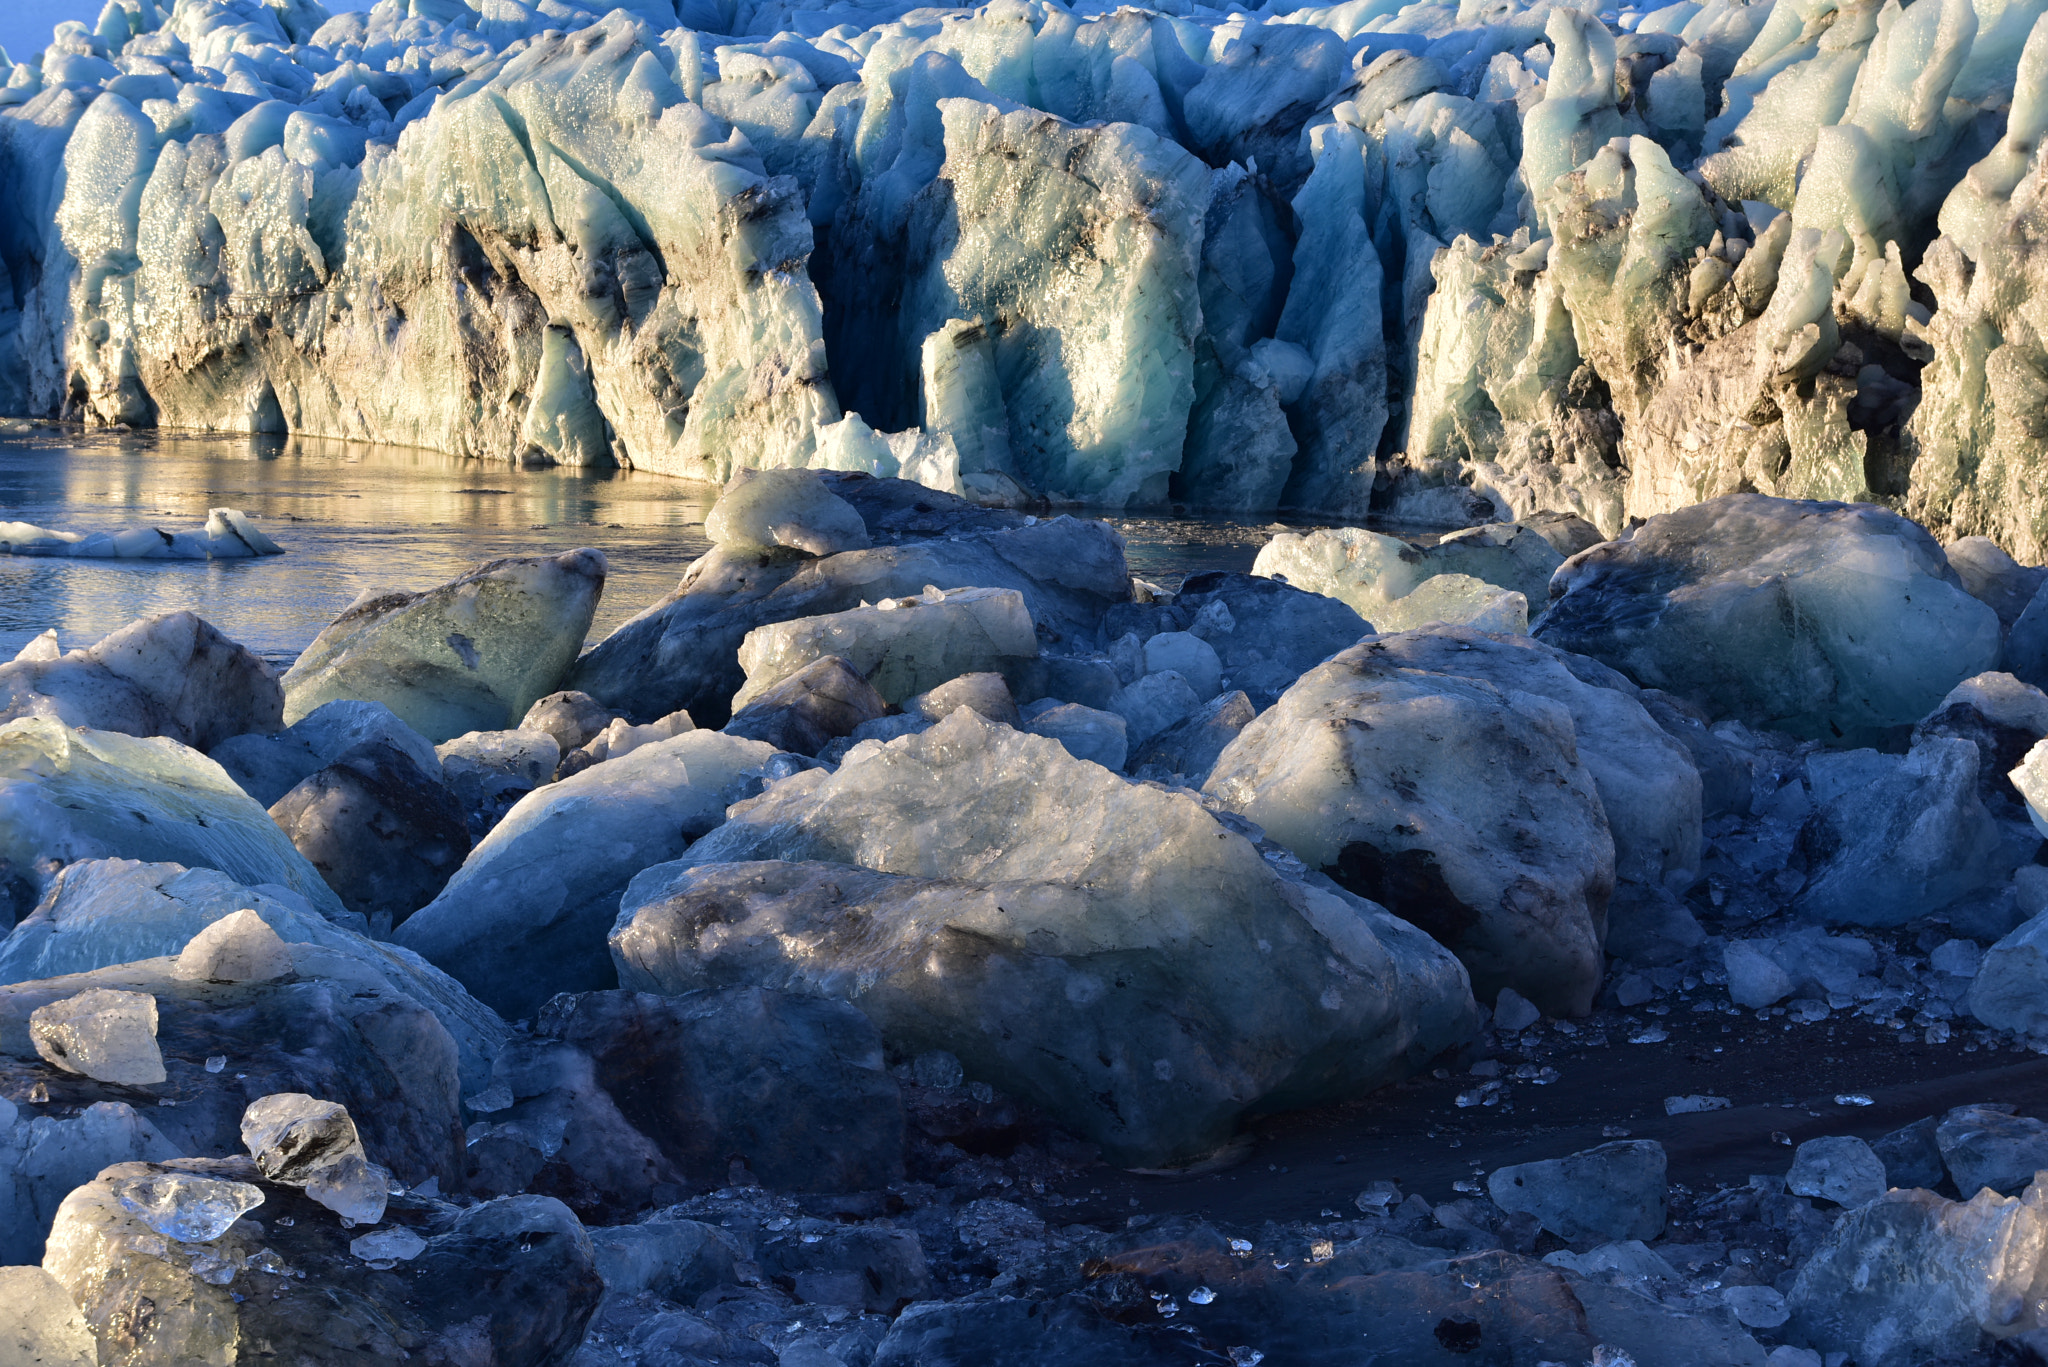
(1442, 262)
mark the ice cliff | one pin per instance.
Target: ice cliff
(1444, 262)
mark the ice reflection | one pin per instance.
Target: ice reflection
(355, 517)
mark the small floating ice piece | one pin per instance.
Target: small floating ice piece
(388, 1245)
(228, 535)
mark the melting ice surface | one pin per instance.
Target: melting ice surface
(354, 517)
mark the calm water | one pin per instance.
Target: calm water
(353, 518)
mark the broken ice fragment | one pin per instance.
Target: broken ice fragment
(105, 1035)
(216, 1063)
(1853, 1099)
(213, 1271)
(397, 1245)
(1694, 1104)
(188, 1208)
(1201, 1295)
(241, 948)
(303, 1142)
(1656, 1034)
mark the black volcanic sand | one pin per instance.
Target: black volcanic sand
(1782, 1078)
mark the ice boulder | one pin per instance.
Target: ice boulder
(807, 711)
(334, 1029)
(173, 675)
(935, 882)
(1988, 1146)
(471, 655)
(507, 1281)
(1910, 1277)
(2010, 990)
(1837, 622)
(684, 651)
(901, 646)
(1463, 805)
(763, 509)
(1894, 838)
(571, 718)
(986, 693)
(269, 766)
(103, 912)
(384, 833)
(621, 738)
(526, 915)
(1994, 578)
(1647, 781)
(67, 795)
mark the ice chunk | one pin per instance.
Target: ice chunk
(471, 655)
(398, 1245)
(1754, 977)
(761, 509)
(902, 646)
(1840, 1168)
(106, 1035)
(1100, 737)
(986, 693)
(269, 766)
(1456, 600)
(1615, 1191)
(185, 1206)
(384, 833)
(238, 948)
(571, 718)
(525, 916)
(1189, 656)
(489, 770)
(1154, 703)
(1190, 747)
(300, 1142)
(172, 675)
(821, 702)
(1910, 1277)
(1984, 1146)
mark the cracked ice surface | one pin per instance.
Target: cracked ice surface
(1421, 260)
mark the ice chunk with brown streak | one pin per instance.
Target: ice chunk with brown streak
(303, 1142)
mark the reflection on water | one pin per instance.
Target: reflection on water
(354, 518)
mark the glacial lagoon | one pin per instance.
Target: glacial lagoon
(354, 517)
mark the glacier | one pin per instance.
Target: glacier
(1439, 263)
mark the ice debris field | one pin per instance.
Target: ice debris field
(1609, 928)
(893, 944)
(1444, 263)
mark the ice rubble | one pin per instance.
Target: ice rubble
(1421, 259)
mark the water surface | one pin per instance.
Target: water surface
(353, 518)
